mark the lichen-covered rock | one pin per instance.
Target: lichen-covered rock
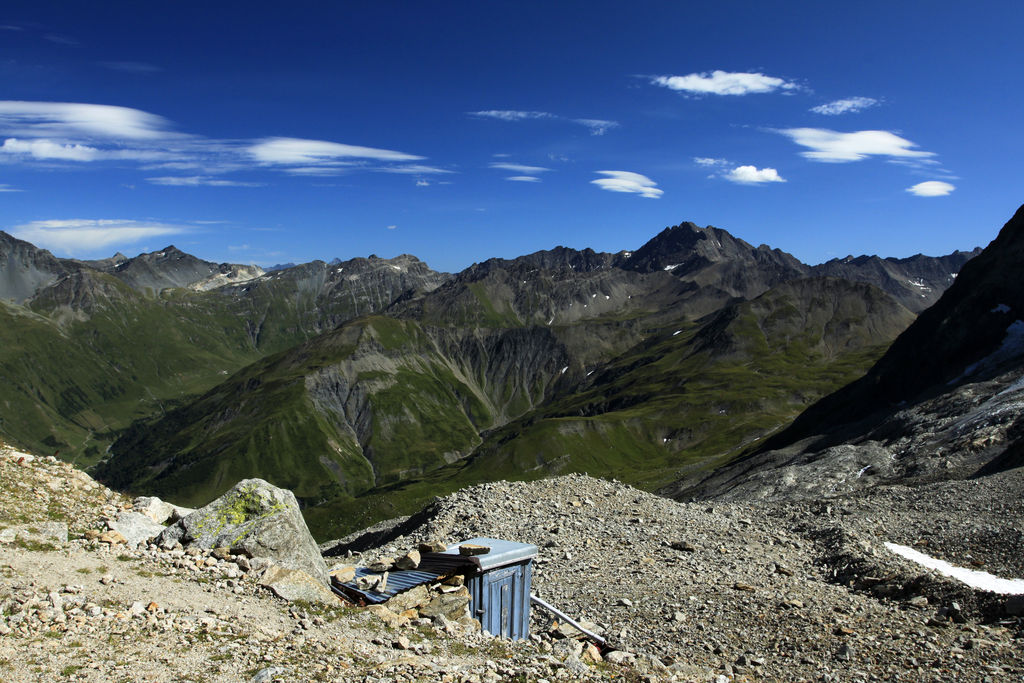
(257, 519)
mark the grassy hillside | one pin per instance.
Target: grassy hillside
(687, 400)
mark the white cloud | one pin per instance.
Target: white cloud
(73, 120)
(710, 161)
(69, 133)
(627, 181)
(48, 149)
(597, 126)
(829, 145)
(751, 175)
(931, 188)
(422, 182)
(79, 236)
(333, 169)
(850, 105)
(724, 83)
(8, 188)
(314, 152)
(524, 178)
(197, 180)
(519, 168)
(392, 227)
(512, 114)
(412, 169)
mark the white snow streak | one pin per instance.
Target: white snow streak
(975, 579)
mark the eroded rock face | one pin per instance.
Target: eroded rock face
(257, 519)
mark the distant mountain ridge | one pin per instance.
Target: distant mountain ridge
(365, 384)
(944, 402)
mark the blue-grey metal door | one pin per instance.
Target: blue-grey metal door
(498, 593)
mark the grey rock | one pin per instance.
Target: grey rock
(412, 598)
(53, 533)
(257, 519)
(295, 584)
(410, 560)
(160, 511)
(620, 657)
(269, 674)
(136, 528)
(451, 606)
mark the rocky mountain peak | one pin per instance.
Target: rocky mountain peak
(25, 269)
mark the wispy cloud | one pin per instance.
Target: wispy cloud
(931, 188)
(412, 169)
(724, 83)
(55, 133)
(84, 236)
(850, 105)
(297, 151)
(72, 120)
(392, 227)
(524, 178)
(512, 114)
(422, 182)
(710, 162)
(196, 181)
(627, 181)
(751, 175)
(519, 168)
(595, 126)
(60, 40)
(829, 145)
(141, 68)
(8, 188)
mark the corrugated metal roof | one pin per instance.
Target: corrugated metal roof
(433, 566)
(398, 581)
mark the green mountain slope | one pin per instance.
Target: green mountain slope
(376, 401)
(688, 400)
(378, 416)
(87, 353)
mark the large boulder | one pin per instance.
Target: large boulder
(158, 510)
(257, 519)
(135, 527)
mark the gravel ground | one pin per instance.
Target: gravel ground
(785, 592)
(683, 591)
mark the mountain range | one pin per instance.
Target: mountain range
(371, 385)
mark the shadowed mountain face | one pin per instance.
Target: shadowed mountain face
(916, 282)
(170, 267)
(945, 401)
(25, 269)
(710, 257)
(368, 385)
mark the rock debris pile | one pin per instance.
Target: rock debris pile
(682, 592)
(783, 592)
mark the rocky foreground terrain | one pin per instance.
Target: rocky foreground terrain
(682, 591)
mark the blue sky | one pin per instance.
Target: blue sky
(456, 131)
